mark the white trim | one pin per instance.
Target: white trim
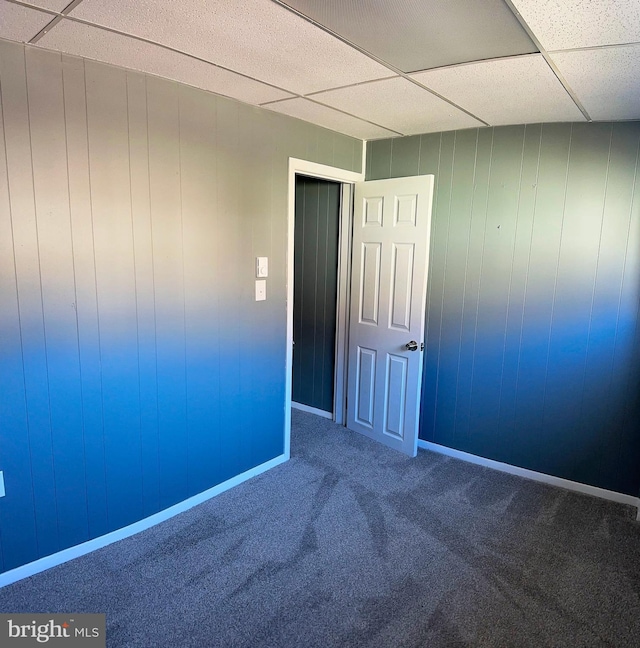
(312, 410)
(603, 493)
(342, 305)
(322, 171)
(364, 159)
(302, 167)
(64, 556)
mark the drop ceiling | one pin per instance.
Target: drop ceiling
(367, 68)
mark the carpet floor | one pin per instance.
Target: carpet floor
(351, 544)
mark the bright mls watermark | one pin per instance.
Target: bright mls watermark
(52, 630)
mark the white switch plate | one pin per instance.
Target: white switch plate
(262, 267)
(2, 493)
(261, 290)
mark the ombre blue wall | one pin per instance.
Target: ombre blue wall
(532, 337)
(136, 369)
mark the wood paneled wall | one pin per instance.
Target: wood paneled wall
(533, 344)
(315, 291)
(136, 369)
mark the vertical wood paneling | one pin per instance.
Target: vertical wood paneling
(546, 318)
(229, 254)
(256, 419)
(311, 148)
(142, 230)
(18, 541)
(308, 330)
(614, 310)
(86, 306)
(437, 270)
(473, 268)
(454, 277)
(136, 369)
(55, 250)
(380, 164)
(17, 136)
(518, 277)
(539, 295)
(324, 327)
(315, 291)
(627, 350)
(429, 163)
(577, 264)
(343, 151)
(405, 156)
(298, 292)
(201, 276)
(330, 294)
(493, 296)
(429, 154)
(163, 115)
(107, 119)
(262, 354)
(325, 147)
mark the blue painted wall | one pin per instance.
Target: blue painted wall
(532, 338)
(136, 369)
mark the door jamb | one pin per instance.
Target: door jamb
(323, 172)
(342, 307)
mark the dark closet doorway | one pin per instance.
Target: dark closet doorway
(317, 224)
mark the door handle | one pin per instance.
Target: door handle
(413, 346)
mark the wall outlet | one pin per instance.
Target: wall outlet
(261, 290)
(2, 493)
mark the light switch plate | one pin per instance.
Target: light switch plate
(262, 267)
(261, 290)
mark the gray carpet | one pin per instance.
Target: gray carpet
(351, 544)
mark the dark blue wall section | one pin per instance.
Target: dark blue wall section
(315, 291)
(533, 345)
(136, 369)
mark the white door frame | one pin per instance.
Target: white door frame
(323, 172)
(345, 250)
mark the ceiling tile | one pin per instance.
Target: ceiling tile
(606, 80)
(19, 23)
(329, 118)
(565, 24)
(255, 37)
(101, 45)
(399, 105)
(501, 91)
(416, 35)
(53, 5)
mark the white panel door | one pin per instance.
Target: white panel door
(392, 224)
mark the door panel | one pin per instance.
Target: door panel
(395, 395)
(402, 278)
(366, 378)
(370, 283)
(392, 222)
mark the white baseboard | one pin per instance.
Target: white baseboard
(603, 493)
(312, 410)
(97, 543)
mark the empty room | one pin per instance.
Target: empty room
(320, 323)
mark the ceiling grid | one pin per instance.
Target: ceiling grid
(56, 19)
(368, 68)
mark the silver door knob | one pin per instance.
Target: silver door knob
(411, 346)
